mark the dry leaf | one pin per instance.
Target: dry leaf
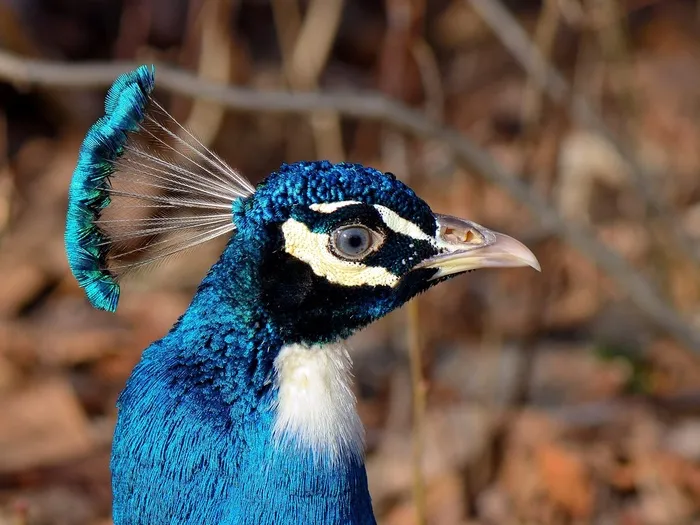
(566, 479)
(42, 424)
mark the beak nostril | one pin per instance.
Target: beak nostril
(453, 235)
(459, 235)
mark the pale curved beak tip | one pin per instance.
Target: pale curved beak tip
(513, 249)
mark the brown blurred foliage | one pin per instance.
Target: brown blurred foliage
(550, 399)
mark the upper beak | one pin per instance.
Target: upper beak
(468, 246)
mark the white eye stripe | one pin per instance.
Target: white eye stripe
(391, 219)
(330, 207)
(400, 225)
(312, 248)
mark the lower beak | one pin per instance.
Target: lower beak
(468, 246)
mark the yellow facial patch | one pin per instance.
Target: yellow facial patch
(312, 248)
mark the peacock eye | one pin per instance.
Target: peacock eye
(354, 242)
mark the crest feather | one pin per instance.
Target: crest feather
(144, 188)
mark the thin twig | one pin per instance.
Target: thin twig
(305, 51)
(434, 105)
(401, 17)
(6, 183)
(512, 35)
(214, 64)
(613, 42)
(26, 72)
(545, 35)
(437, 159)
(315, 42)
(287, 17)
(419, 389)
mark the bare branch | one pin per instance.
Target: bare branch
(26, 72)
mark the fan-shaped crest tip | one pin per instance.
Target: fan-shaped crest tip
(125, 108)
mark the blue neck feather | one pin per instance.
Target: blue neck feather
(193, 440)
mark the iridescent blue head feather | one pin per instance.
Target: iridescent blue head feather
(313, 200)
(86, 243)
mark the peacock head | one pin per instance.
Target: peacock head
(323, 249)
(341, 245)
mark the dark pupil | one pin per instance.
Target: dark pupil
(353, 241)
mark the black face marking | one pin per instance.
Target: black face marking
(398, 252)
(309, 308)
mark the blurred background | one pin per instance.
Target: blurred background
(566, 397)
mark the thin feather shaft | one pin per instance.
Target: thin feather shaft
(165, 220)
(142, 182)
(179, 173)
(174, 201)
(191, 243)
(157, 230)
(223, 166)
(163, 244)
(185, 156)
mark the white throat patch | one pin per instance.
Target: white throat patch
(315, 404)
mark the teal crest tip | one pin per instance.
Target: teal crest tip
(87, 245)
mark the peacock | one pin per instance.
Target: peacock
(244, 412)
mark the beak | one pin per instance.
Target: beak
(468, 246)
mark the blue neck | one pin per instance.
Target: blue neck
(193, 442)
(226, 341)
